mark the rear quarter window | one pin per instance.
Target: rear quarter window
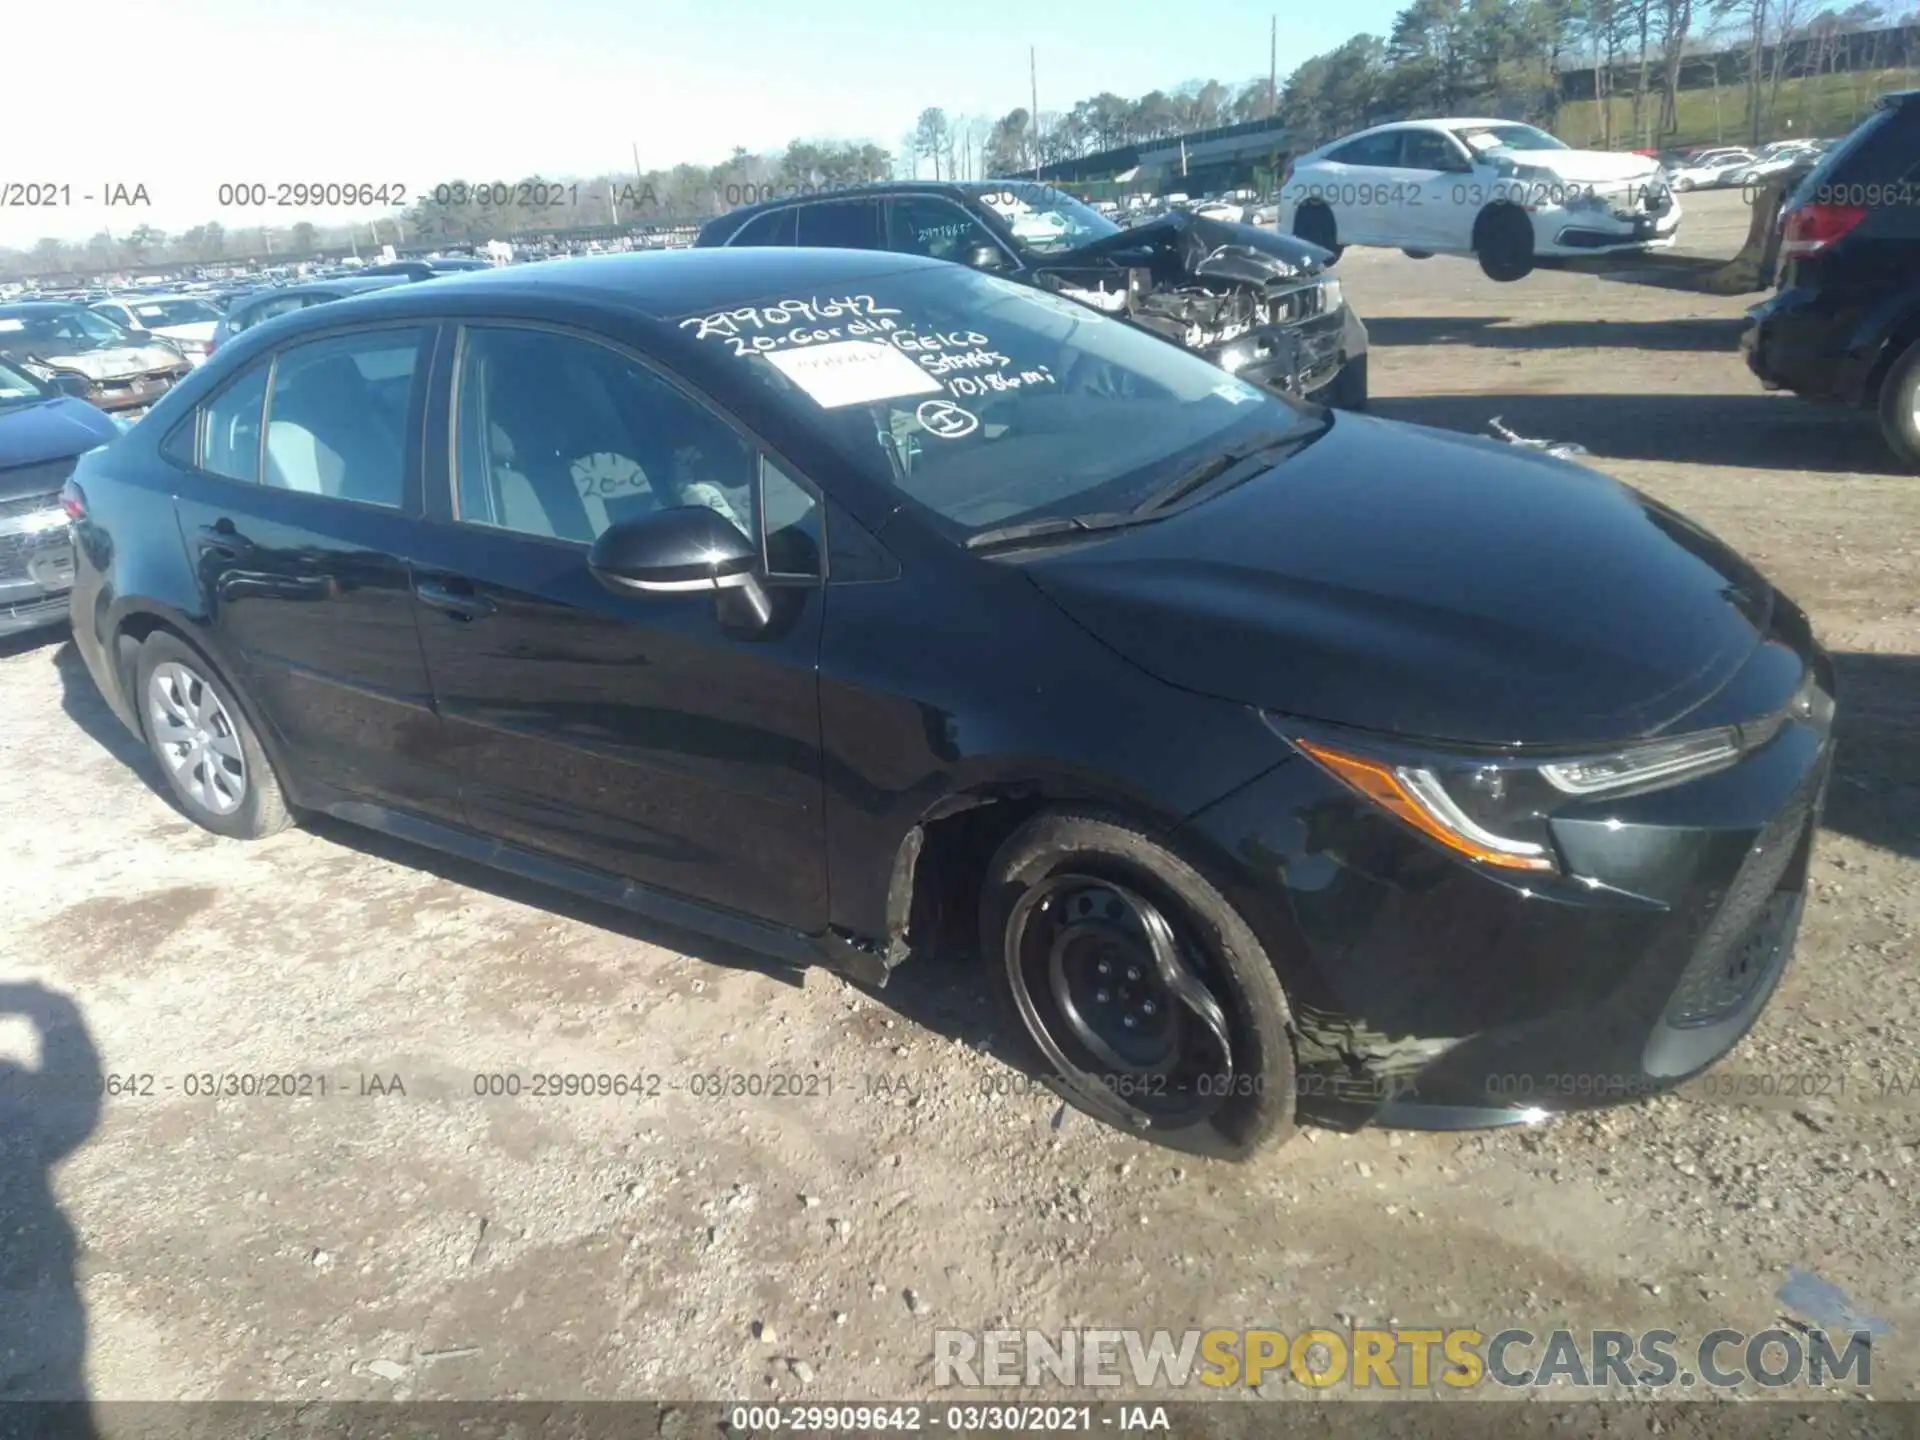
(1882, 149)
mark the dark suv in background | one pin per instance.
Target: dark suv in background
(1844, 325)
(1254, 302)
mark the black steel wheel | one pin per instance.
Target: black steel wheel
(1145, 998)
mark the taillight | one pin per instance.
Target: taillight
(1808, 229)
(73, 500)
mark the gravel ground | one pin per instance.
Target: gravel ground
(405, 1238)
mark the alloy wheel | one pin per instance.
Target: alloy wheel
(197, 738)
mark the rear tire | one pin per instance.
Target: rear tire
(1417, 254)
(1900, 407)
(1683, 184)
(205, 746)
(1504, 242)
(1136, 988)
(1315, 225)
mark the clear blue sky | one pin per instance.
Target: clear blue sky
(417, 91)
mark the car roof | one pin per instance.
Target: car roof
(740, 214)
(1895, 98)
(344, 285)
(27, 309)
(657, 284)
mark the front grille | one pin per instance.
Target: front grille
(1738, 950)
(1296, 305)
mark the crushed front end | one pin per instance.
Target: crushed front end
(1257, 304)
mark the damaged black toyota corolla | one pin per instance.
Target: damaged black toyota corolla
(1255, 302)
(1276, 761)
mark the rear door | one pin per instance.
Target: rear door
(646, 736)
(298, 500)
(1352, 182)
(1432, 206)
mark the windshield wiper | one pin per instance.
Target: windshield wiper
(1027, 532)
(1213, 467)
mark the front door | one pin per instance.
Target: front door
(299, 514)
(651, 737)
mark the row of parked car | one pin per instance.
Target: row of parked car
(1708, 167)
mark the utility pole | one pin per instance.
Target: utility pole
(1033, 97)
(1273, 69)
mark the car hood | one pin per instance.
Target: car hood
(110, 364)
(50, 429)
(1408, 580)
(1589, 167)
(1207, 249)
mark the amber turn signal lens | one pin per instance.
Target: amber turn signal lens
(1390, 789)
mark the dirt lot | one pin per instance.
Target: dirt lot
(428, 1243)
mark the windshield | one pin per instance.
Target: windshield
(988, 403)
(1482, 138)
(17, 385)
(153, 314)
(1043, 219)
(61, 332)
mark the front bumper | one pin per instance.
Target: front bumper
(1433, 993)
(1562, 231)
(1794, 341)
(1297, 359)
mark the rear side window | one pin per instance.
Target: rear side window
(1369, 150)
(842, 224)
(776, 227)
(337, 415)
(267, 309)
(230, 427)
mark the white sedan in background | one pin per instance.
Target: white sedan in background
(1506, 193)
(1710, 168)
(186, 322)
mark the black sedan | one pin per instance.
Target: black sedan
(1275, 760)
(1254, 302)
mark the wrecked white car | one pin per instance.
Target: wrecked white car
(92, 357)
(1255, 302)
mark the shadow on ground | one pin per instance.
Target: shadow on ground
(47, 1110)
(1502, 332)
(1748, 432)
(1875, 793)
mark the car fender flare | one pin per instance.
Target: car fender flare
(1884, 334)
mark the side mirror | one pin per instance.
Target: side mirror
(984, 257)
(687, 548)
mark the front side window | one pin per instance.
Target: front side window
(1429, 150)
(230, 427)
(928, 225)
(560, 437)
(985, 402)
(337, 415)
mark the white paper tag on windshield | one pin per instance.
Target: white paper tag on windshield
(852, 372)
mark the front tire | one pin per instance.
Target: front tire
(1504, 243)
(1140, 993)
(1416, 254)
(1900, 407)
(205, 746)
(1683, 184)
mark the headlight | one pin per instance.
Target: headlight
(1332, 297)
(1495, 809)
